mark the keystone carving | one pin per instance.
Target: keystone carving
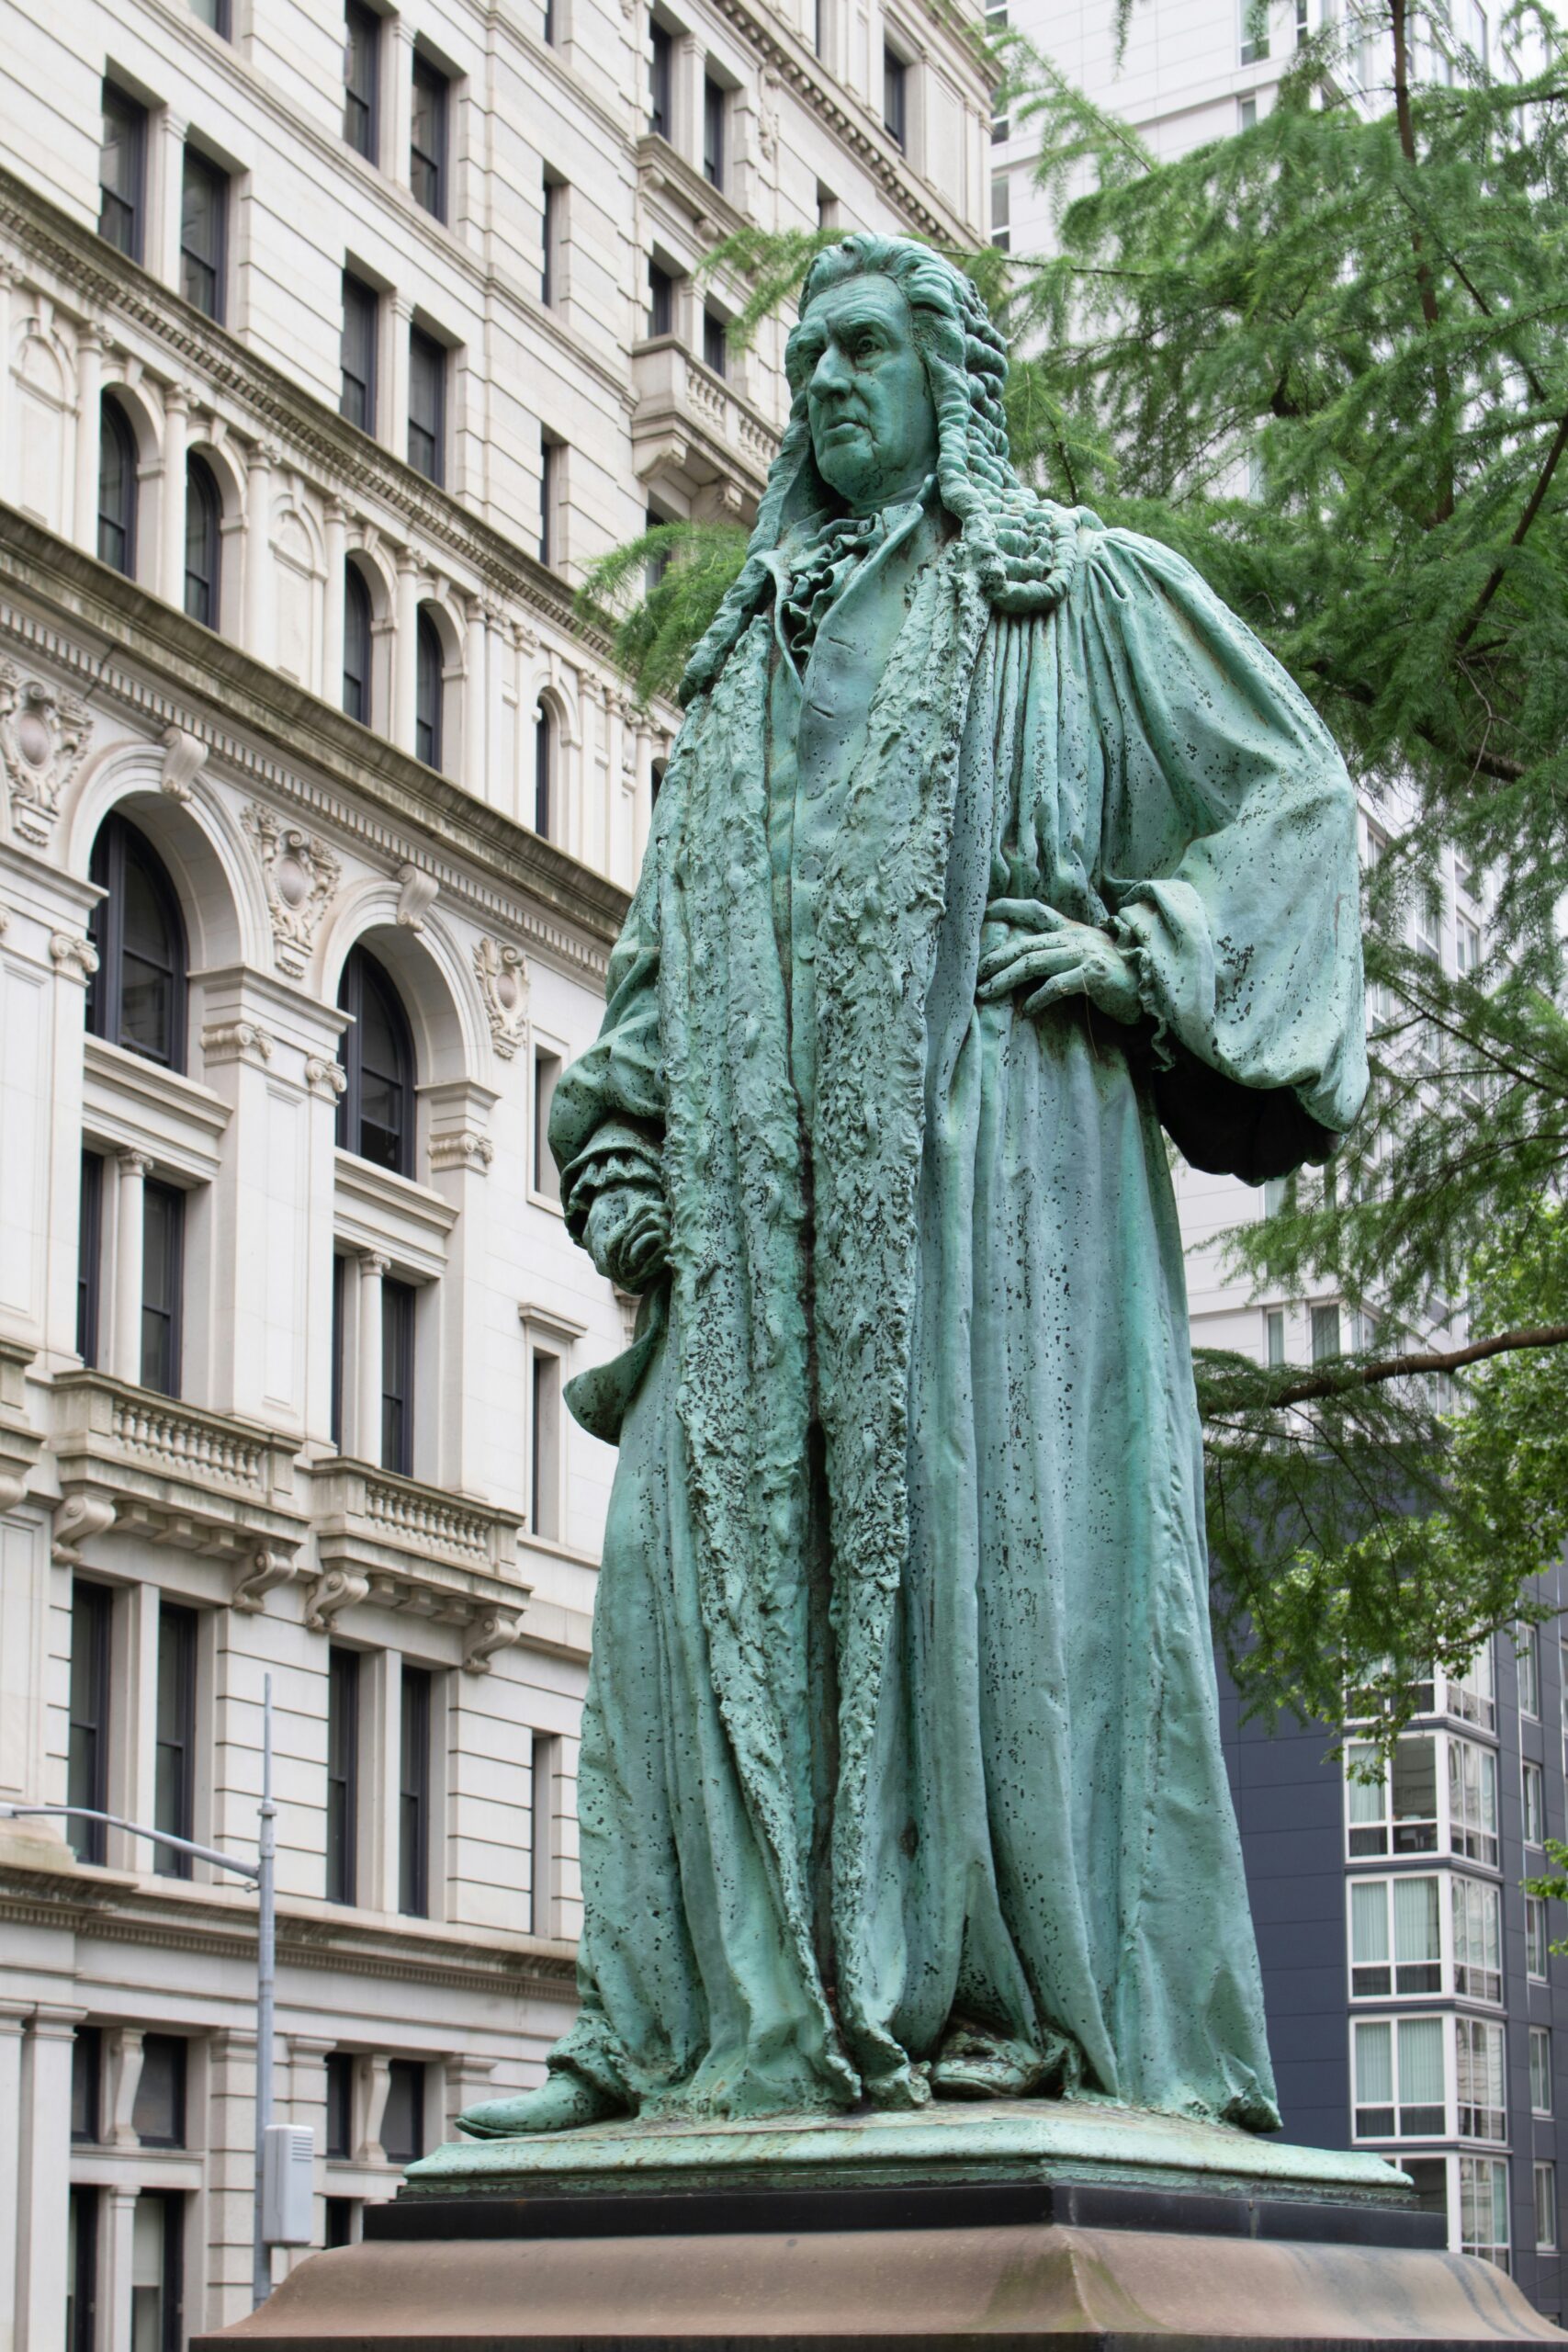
(43, 739)
(416, 894)
(300, 875)
(184, 756)
(504, 983)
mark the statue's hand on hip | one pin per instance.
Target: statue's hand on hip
(1053, 957)
(626, 1234)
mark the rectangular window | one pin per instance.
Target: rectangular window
(1533, 1790)
(343, 1775)
(163, 1268)
(203, 221)
(549, 479)
(87, 2085)
(81, 2270)
(550, 232)
(402, 2120)
(89, 1257)
(1396, 1813)
(1472, 1803)
(1303, 25)
(413, 1794)
(1326, 1340)
(544, 1445)
(361, 315)
(1471, 1696)
(661, 300)
(157, 2268)
(86, 1772)
(1001, 211)
(1254, 32)
(1536, 1942)
(661, 76)
(714, 97)
(1246, 114)
(1399, 2079)
(548, 1068)
(213, 14)
(158, 2112)
(340, 2104)
(1479, 2080)
(1541, 2071)
(1527, 1641)
(543, 1798)
(428, 405)
(427, 136)
(361, 80)
(895, 97)
(340, 1328)
(1467, 949)
(716, 351)
(396, 1376)
(1395, 1938)
(1483, 2209)
(1274, 1334)
(122, 174)
(1544, 2178)
(342, 2221)
(996, 23)
(1478, 1940)
(174, 1785)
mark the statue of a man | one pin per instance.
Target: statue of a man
(992, 850)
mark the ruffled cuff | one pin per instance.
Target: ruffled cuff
(620, 1156)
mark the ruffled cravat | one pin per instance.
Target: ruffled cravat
(819, 570)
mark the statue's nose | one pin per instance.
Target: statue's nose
(829, 375)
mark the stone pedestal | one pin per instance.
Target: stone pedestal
(984, 2226)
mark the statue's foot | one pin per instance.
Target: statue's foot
(976, 2064)
(563, 2102)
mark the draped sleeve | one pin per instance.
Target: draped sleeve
(1227, 861)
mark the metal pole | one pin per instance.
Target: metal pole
(266, 1851)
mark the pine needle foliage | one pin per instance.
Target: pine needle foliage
(1327, 360)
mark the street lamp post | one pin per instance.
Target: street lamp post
(261, 1874)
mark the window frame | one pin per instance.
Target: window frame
(341, 2068)
(552, 217)
(416, 1731)
(549, 498)
(131, 116)
(1532, 1801)
(547, 1480)
(1539, 2052)
(364, 25)
(171, 2285)
(410, 2071)
(544, 770)
(115, 426)
(428, 362)
(198, 168)
(1536, 1933)
(432, 163)
(358, 634)
(345, 1677)
(82, 2267)
(660, 80)
(350, 1111)
(91, 1642)
(361, 312)
(1543, 2186)
(429, 691)
(117, 842)
(175, 1732)
(715, 348)
(180, 2091)
(896, 96)
(661, 300)
(400, 1316)
(715, 131)
(205, 501)
(90, 1259)
(1498, 2251)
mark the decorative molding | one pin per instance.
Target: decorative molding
(462, 1148)
(233, 1041)
(417, 893)
(267, 1567)
(75, 959)
(502, 972)
(325, 1077)
(300, 875)
(184, 756)
(492, 1630)
(43, 739)
(76, 1521)
(330, 1595)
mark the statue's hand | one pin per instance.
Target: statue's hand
(1054, 958)
(627, 1234)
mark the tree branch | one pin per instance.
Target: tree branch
(1521, 531)
(1320, 1384)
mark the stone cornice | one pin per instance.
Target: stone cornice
(294, 748)
(346, 460)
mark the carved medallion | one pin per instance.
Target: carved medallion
(300, 875)
(43, 738)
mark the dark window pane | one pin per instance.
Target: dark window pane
(378, 1054)
(86, 2084)
(341, 2220)
(413, 1796)
(713, 131)
(162, 1256)
(361, 54)
(661, 300)
(89, 1257)
(214, 14)
(174, 1788)
(402, 2123)
(543, 764)
(86, 1776)
(427, 138)
(203, 205)
(357, 398)
(82, 2270)
(355, 645)
(429, 665)
(340, 1280)
(894, 97)
(159, 2112)
(343, 1782)
(117, 489)
(658, 82)
(137, 996)
(121, 173)
(203, 511)
(428, 405)
(549, 478)
(397, 1380)
(340, 2104)
(716, 353)
(550, 232)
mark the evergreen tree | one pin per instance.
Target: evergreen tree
(1328, 360)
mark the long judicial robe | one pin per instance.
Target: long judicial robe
(901, 1720)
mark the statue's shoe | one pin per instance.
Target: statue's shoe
(973, 2063)
(562, 2102)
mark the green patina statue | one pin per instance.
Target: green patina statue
(992, 847)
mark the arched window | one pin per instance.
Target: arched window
(375, 1113)
(204, 512)
(429, 663)
(117, 488)
(137, 996)
(355, 645)
(544, 763)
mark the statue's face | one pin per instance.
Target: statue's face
(873, 423)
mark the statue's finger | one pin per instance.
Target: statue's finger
(1065, 984)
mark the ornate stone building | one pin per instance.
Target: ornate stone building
(332, 347)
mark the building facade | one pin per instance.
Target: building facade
(333, 347)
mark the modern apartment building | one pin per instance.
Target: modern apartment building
(333, 343)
